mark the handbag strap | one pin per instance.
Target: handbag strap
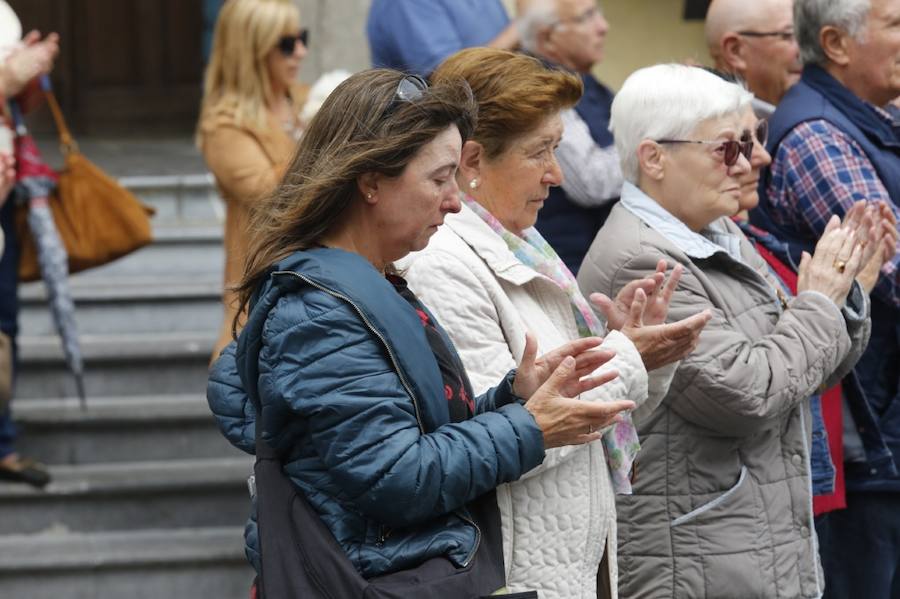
(67, 143)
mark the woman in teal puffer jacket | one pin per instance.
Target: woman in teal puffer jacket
(361, 390)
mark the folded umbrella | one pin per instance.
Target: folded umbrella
(35, 182)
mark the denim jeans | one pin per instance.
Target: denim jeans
(860, 547)
(820, 455)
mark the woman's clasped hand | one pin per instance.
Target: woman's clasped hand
(845, 251)
(640, 310)
(552, 382)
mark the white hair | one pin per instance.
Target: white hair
(537, 15)
(668, 101)
(810, 16)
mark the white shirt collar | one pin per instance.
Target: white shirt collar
(695, 245)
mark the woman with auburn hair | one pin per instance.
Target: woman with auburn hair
(250, 118)
(490, 277)
(349, 378)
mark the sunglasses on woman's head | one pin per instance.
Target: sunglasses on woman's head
(410, 89)
(288, 43)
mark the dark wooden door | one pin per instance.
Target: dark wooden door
(125, 66)
(695, 10)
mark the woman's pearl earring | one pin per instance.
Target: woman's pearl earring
(473, 184)
(369, 196)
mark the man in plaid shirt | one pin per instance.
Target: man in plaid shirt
(817, 171)
(833, 144)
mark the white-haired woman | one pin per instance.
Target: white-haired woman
(722, 504)
(250, 117)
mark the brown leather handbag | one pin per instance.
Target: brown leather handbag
(98, 220)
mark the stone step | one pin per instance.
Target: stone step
(130, 153)
(180, 199)
(173, 493)
(134, 564)
(119, 429)
(117, 365)
(123, 305)
(176, 251)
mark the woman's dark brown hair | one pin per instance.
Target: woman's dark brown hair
(515, 92)
(363, 127)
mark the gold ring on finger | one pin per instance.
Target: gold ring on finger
(840, 265)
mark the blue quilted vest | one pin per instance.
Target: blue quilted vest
(873, 394)
(569, 228)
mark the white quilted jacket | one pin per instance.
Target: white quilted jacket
(558, 519)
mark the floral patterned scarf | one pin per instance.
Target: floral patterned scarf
(532, 250)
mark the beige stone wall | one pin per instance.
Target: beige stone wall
(338, 38)
(643, 32)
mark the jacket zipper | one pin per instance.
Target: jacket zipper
(471, 555)
(384, 531)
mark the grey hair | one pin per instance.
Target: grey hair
(810, 16)
(668, 101)
(539, 14)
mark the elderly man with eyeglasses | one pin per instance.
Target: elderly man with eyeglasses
(571, 34)
(834, 140)
(754, 42)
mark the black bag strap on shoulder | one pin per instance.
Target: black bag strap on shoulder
(301, 559)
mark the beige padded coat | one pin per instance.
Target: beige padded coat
(722, 503)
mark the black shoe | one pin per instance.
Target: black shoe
(25, 471)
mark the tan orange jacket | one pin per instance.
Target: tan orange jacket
(247, 163)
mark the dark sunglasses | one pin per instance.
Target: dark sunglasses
(410, 89)
(288, 43)
(761, 134)
(732, 149)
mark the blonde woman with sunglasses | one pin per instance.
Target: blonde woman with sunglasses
(249, 120)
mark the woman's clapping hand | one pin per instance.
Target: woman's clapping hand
(840, 255)
(657, 290)
(34, 57)
(641, 308)
(551, 383)
(884, 243)
(534, 372)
